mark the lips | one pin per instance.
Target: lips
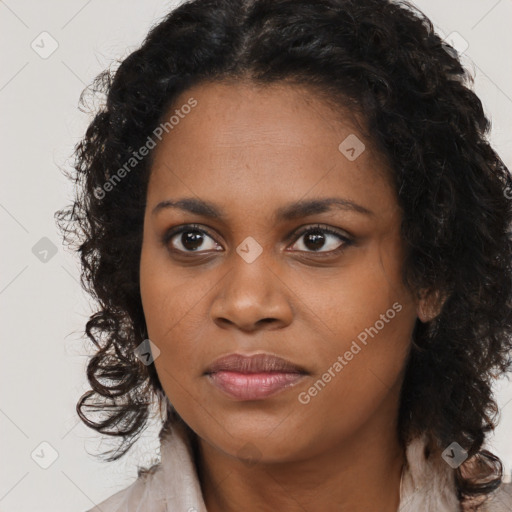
(258, 363)
(253, 377)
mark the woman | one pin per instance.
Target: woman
(298, 237)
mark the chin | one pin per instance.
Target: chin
(263, 442)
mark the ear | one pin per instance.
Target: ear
(429, 304)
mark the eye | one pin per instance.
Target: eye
(191, 239)
(316, 238)
(194, 239)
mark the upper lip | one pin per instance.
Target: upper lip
(257, 363)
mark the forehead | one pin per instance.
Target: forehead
(229, 113)
(261, 140)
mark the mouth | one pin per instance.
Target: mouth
(253, 377)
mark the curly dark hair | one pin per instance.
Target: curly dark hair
(382, 60)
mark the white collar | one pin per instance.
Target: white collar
(173, 485)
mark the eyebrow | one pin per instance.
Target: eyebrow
(288, 212)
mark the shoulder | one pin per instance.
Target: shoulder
(500, 500)
(119, 501)
(129, 498)
(170, 485)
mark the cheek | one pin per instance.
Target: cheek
(174, 309)
(174, 317)
(367, 317)
(361, 367)
(354, 298)
(167, 293)
(171, 310)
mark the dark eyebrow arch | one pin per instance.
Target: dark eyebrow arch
(291, 211)
(313, 206)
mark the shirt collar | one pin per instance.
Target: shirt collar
(428, 483)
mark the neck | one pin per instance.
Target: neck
(356, 475)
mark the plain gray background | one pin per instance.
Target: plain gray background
(42, 306)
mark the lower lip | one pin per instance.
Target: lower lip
(253, 386)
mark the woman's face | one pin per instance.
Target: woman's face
(330, 303)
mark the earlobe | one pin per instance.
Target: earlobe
(423, 312)
(429, 304)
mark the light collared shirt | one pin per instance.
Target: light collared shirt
(173, 484)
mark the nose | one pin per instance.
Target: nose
(252, 296)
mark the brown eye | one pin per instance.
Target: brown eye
(190, 239)
(314, 239)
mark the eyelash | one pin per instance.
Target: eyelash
(171, 233)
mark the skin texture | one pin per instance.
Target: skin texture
(251, 150)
